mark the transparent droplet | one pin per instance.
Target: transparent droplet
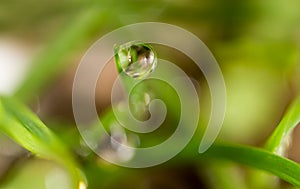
(112, 146)
(136, 59)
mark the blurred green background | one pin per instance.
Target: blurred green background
(256, 44)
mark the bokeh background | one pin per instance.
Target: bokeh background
(256, 44)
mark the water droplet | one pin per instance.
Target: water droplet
(112, 146)
(136, 59)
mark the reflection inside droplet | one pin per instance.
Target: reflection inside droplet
(136, 59)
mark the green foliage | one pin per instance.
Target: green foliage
(224, 21)
(290, 120)
(25, 128)
(257, 158)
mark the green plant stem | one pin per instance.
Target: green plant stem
(250, 156)
(245, 155)
(276, 144)
(257, 158)
(290, 120)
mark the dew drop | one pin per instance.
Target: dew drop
(136, 59)
(113, 146)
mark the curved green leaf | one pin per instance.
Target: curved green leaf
(257, 158)
(290, 120)
(20, 124)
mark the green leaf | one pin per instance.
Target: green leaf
(290, 120)
(20, 124)
(257, 158)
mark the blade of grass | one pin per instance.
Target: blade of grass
(250, 156)
(277, 143)
(290, 120)
(245, 155)
(20, 124)
(257, 158)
